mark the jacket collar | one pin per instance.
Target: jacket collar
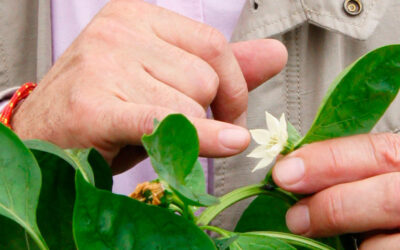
(272, 17)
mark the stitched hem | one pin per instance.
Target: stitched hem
(264, 24)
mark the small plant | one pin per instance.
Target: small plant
(61, 199)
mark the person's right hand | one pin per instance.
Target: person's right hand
(135, 62)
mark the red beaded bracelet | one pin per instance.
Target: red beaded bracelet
(20, 94)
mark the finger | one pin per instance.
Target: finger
(382, 242)
(157, 93)
(338, 161)
(260, 60)
(181, 70)
(125, 123)
(216, 139)
(360, 206)
(210, 45)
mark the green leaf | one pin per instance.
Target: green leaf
(293, 138)
(44, 146)
(268, 213)
(56, 201)
(259, 242)
(80, 158)
(13, 236)
(265, 213)
(173, 149)
(292, 239)
(88, 161)
(103, 220)
(101, 170)
(20, 181)
(75, 157)
(224, 243)
(358, 97)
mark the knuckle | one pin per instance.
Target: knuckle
(197, 111)
(237, 97)
(386, 149)
(103, 29)
(391, 188)
(334, 209)
(145, 121)
(215, 40)
(335, 163)
(210, 84)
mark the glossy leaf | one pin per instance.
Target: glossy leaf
(358, 97)
(293, 138)
(14, 236)
(265, 213)
(259, 242)
(101, 170)
(88, 161)
(173, 149)
(56, 201)
(224, 243)
(80, 158)
(20, 181)
(295, 241)
(75, 157)
(103, 220)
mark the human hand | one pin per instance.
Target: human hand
(135, 62)
(356, 184)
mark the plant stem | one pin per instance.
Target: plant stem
(240, 194)
(293, 239)
(187, 211)
(175, 208)
(218, 230)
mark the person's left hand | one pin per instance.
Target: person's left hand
(356, 184)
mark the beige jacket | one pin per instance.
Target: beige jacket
(321, 39)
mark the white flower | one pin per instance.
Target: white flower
(272, 141)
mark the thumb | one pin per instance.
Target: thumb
(260, 59)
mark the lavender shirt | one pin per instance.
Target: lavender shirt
(70, 17)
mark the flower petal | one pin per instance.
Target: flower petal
(259, 152)
(283, 135)
(263, 163)
(261, 136)
(272, 123)
(282, 122)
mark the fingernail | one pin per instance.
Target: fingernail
(235, 139)
(241, 120)
(289, 171)
(298, 219)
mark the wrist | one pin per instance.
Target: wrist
(8, 111)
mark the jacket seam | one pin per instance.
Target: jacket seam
(296, 37)
(266, 23)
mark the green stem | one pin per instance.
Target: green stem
(240, 194)
(187, 212)
(218, 230)
(175, 208)
(293, 239)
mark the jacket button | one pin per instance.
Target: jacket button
(353, 7)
